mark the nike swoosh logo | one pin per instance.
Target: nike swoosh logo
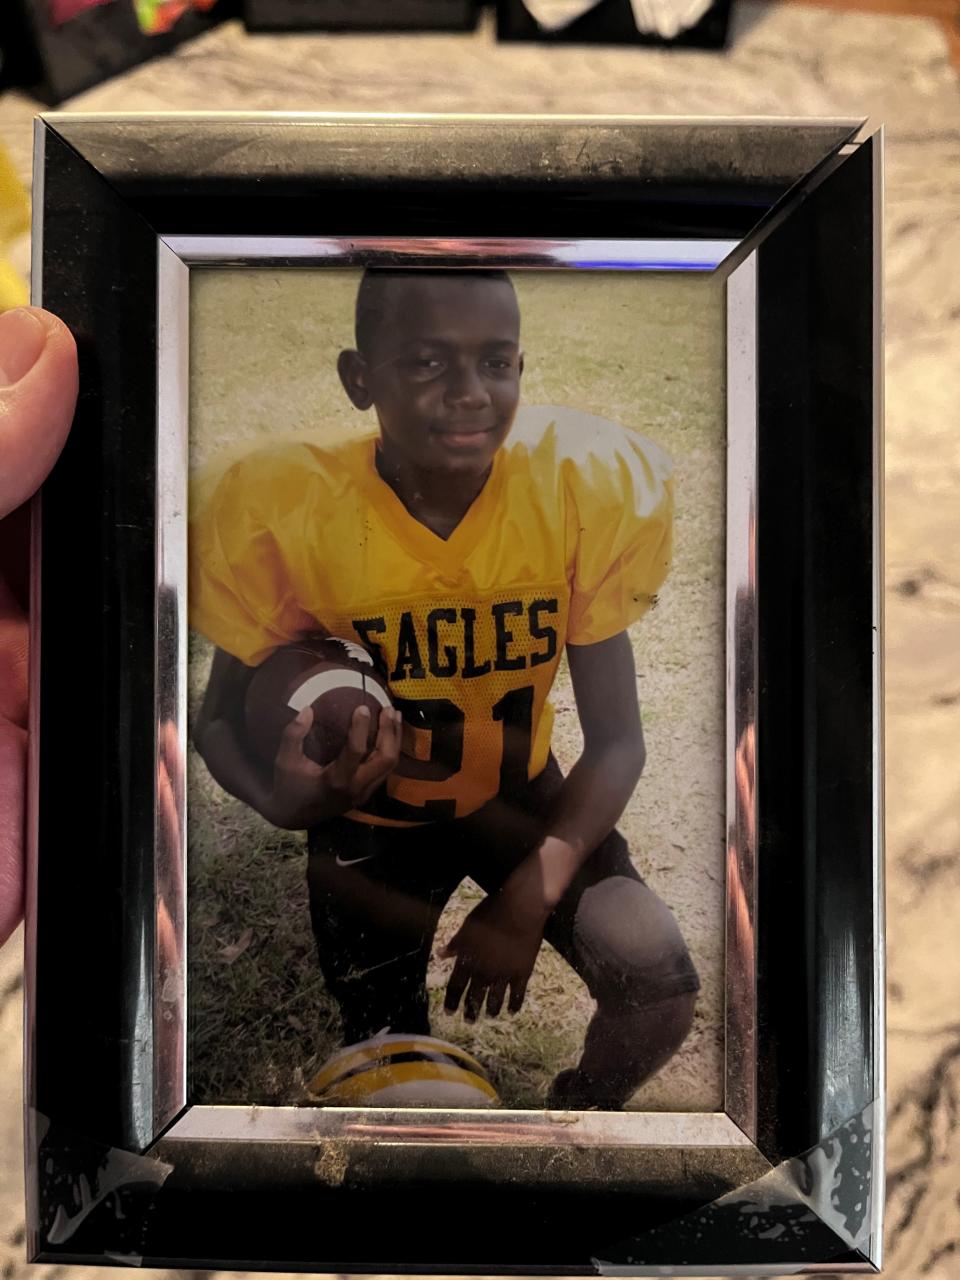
(352, 862)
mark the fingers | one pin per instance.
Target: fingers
(473, 1001)
(13, 744)
(355, 749)
(14, 643)
(474, 988)
(457, 985)
(358, 735)
(494, 993)
(290, 751)
(385, 754)
(495, 997)
(389, 732)
(356, 772)
(518, 989)
(344, 768)
(38, 394)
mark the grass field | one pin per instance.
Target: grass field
(645, 350)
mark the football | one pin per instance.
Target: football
(333, 676)
(402, 1071)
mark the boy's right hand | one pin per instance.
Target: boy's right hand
(305, 793)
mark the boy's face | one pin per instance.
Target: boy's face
(442, 369)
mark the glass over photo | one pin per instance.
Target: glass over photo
(456, 772)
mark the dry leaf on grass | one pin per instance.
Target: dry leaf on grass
(230, 952)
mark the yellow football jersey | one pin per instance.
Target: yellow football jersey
(567, 543)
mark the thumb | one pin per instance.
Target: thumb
(290, 749)
(38, 394)
(300, 725)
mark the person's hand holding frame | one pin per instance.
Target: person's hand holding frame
(38, 392)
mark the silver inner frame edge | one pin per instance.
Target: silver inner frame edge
(163, 1081)
(740, 1041)
(163, 1090)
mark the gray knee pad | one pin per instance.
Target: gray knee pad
(631, 950)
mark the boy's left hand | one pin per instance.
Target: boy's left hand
(496, 947)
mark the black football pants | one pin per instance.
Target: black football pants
(377, 893)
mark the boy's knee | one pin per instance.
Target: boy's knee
(635, 954)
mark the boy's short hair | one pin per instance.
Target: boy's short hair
(371, 295)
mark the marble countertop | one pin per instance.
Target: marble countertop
(785, 60)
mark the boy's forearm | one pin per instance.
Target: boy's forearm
(588, 807)
(230, 766)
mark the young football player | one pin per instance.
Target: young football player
(466, 545)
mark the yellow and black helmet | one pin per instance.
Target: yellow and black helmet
(402, 1071)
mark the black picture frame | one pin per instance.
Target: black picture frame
(788, 1177)
(360, 15)
(55, 62)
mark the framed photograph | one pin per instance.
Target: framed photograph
(59, 48)
(702, 24)
(360, 15)
(455, 789)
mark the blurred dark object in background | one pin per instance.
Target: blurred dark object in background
(57, 48)
(697, 23)
(360, 15)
